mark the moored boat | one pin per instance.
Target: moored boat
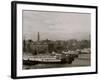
(48, 58)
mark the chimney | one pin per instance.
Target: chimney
(38, 37)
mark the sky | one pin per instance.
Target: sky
(56, 25)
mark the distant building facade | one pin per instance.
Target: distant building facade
(37, 46)
(49, 46)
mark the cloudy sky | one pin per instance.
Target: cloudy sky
(56, 25)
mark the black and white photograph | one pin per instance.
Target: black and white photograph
(56, 39)
(53, 39)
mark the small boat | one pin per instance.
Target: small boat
(73, 54)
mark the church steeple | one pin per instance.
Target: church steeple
(38, 37)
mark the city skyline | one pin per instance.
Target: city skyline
(56, 25)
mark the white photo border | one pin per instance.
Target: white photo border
(17, 71)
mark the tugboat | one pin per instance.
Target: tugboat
(72, 54)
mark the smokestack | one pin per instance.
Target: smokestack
(38, 37)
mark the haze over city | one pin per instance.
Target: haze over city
(56, 25)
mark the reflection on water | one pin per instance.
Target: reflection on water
(82, 60)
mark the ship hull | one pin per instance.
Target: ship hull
(30, 62)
